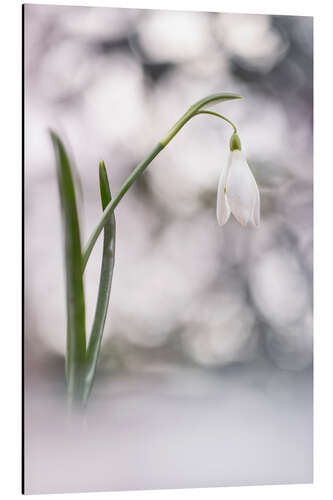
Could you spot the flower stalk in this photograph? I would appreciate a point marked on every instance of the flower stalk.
(81, 360)
(196, 109)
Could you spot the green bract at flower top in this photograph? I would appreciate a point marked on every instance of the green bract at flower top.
(237, 193)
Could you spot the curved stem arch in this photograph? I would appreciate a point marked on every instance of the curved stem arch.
(194, 110)
(213, 113)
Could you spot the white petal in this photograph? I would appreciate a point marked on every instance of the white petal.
(256, 210)
(222, 206)
(242, 191)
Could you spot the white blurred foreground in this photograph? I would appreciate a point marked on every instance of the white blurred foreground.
(174, 429)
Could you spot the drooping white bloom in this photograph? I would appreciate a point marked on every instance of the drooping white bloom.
(238, 192)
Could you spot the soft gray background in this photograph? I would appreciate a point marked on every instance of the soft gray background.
(206, 370)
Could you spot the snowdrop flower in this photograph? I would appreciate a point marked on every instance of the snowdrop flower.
(237, 190)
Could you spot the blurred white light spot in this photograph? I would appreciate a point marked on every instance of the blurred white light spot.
(252, 38)
(191, 167)
(219, 330)
(263, 136)
(156, 284)
(116, 99)
(98, 23)
(175, 36)
(66, 69)
(279, 287)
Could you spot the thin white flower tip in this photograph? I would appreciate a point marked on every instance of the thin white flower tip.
(256, 210)
(222, 206)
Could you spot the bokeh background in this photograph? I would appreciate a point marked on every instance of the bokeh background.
(205, 377)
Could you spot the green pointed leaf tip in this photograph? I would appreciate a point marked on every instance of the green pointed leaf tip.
(104, 185)
(76, 337)
(210, 100)
(213, 99)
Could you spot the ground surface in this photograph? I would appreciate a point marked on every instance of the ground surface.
(173, 428)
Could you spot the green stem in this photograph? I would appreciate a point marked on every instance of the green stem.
(195, 109)
(112, 205)
(192, 111)
(205, 112)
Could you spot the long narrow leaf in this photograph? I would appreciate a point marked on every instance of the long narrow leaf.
(76, 336)
(104, 284)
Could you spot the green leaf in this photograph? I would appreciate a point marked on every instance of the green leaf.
(104, 284)
(76, 336)
(213, 99)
